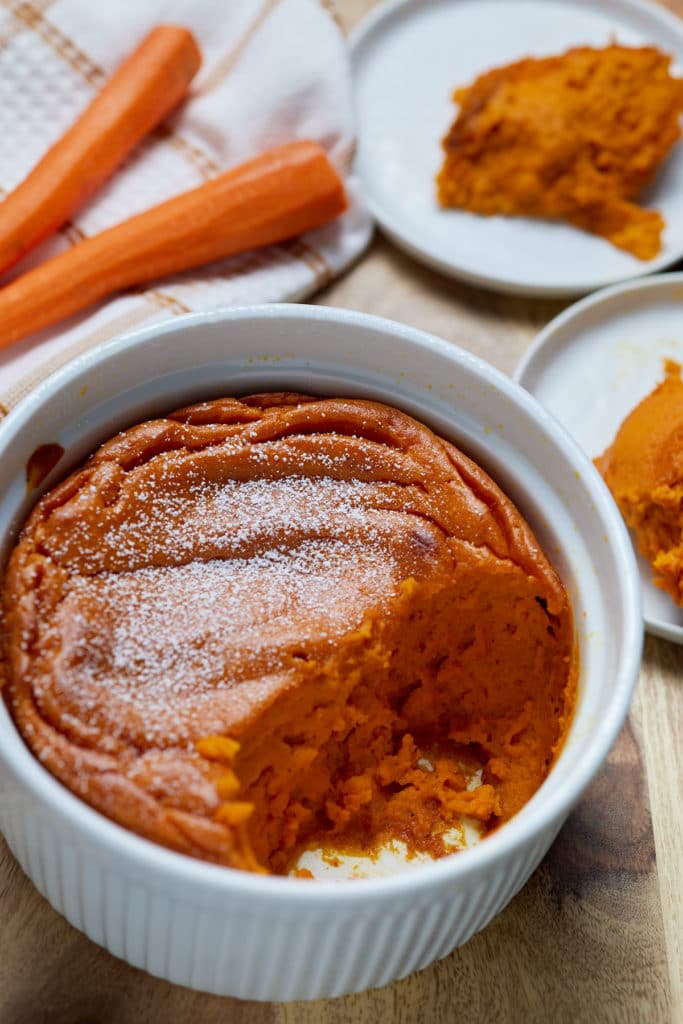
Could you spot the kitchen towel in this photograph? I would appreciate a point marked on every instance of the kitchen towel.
(272, 71)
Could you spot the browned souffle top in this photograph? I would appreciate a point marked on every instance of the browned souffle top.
(263, 624)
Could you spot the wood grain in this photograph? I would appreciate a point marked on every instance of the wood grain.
(597, 934)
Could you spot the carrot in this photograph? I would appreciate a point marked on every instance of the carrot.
(144, 89)
(282, 193)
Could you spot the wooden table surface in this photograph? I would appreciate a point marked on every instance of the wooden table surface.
(595, 936)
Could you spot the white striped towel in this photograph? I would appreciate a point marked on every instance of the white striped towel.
(273, 70)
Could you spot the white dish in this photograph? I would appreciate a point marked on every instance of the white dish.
(410, 55)
(232, 932)
(592, 364)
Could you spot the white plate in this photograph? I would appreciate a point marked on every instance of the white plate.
(410, 55)
(595, 362)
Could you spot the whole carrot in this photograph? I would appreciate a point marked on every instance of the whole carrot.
(144, 89)
(282, 193)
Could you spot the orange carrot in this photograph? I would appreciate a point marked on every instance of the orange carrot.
(282, 193)
(145, 88)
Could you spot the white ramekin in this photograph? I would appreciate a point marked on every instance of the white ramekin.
(230, 932)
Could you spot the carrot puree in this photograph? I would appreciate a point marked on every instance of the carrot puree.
(575, 137)
(265, 625)
(643, 468)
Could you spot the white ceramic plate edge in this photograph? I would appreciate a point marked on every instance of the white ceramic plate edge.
(550, 340)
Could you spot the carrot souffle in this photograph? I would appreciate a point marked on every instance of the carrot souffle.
(643, 468)
(575, 137)
(261, 626)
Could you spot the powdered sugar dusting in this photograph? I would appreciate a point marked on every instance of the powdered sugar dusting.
(188, 646)
(173, 518)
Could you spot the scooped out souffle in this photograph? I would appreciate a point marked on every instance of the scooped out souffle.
(643, 468)
(264, 625)
(574, 137)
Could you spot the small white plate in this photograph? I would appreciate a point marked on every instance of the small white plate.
(410, 55)
(592, 364)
